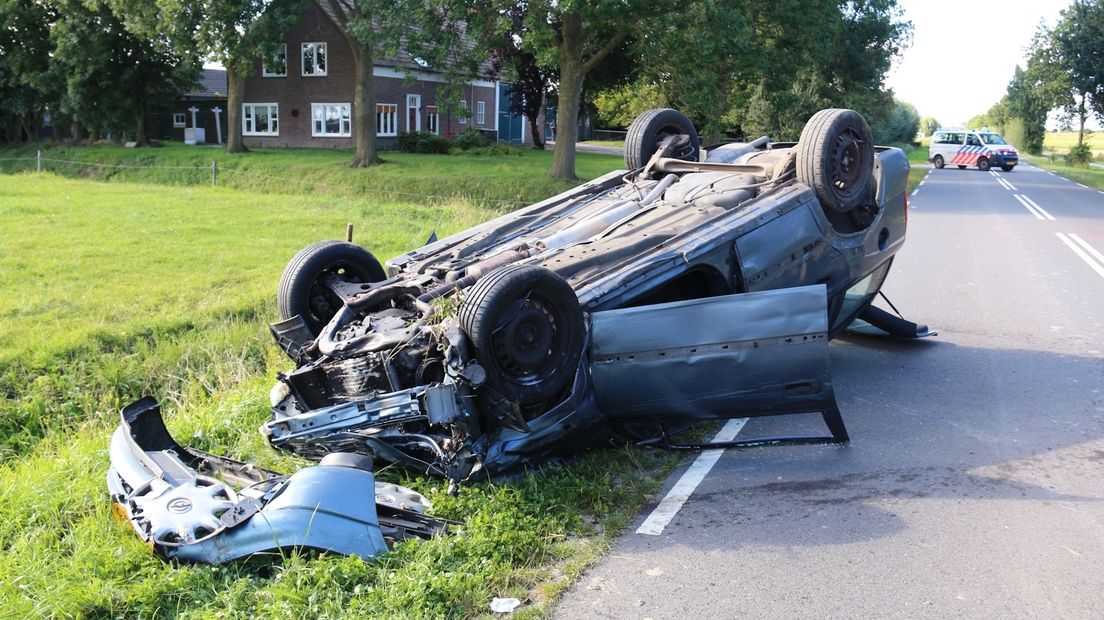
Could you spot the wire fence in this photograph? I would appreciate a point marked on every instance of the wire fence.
(216, 176)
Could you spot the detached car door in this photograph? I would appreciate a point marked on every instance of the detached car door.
(732, 356)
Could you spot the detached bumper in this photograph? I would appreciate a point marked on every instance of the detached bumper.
(197, 507)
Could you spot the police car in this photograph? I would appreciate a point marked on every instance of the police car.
(970, 147)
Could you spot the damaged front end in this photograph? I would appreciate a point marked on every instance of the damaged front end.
(197, 507)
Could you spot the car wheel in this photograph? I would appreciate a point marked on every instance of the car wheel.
(938, 161)
(961, 167)
(835, 156)
(303, 290)
(983, 164)
(650, 128)
(1007, 168)
(527, 330)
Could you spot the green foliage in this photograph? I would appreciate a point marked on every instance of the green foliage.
(471, 139)
(422, 142)
(928, 125)
(618, 106)
(1014, 133)
(1079, 155)
(901, 127)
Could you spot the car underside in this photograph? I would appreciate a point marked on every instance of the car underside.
(698, 284)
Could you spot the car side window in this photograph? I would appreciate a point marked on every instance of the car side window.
(938, 138)
(972, 140)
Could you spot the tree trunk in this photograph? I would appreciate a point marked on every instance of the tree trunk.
(26, 122)
(364, 119)
(572, 75)
(235, 91)
(1081, 114)
(537, 131)
(140, 126)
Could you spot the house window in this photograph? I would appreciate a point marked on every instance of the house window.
(314, 59)
(433, 119)
(387, 119)
(462, 113)
(276, 66)
(260, 119)
(480, 112)
(331, 120)
(178, 119)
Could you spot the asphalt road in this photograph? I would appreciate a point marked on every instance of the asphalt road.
(973, 486)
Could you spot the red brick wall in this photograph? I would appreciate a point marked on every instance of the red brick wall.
(295, 93)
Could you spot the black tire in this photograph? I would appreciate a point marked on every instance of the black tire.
(938, 161)
(835, 156)
(301, 290)
(1007, 167)
(646, 132)
(961, 167)
(983, 164)
(527, 330)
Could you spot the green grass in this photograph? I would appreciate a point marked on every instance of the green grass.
(510, 180)
(917, 172)
(109, 291)
(1092, 177)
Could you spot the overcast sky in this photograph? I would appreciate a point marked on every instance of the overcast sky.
(964, 52)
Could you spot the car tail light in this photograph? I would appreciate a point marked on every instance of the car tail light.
(906, 206)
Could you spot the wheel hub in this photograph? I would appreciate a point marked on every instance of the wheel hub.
(847, 160)
(523, 343)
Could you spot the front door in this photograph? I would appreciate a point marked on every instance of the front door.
(733, 356)
(413, 113)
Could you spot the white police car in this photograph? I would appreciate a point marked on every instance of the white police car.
(962, 147)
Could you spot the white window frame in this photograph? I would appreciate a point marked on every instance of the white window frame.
(433, 119)
(480, 112)
(463, 114)
(313, 47)
(344, 122)
(180, 119)
(248, 117)
(393, 125)
(264, 67)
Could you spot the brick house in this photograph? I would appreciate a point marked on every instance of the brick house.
(303, 97)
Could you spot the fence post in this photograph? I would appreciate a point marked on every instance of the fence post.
(214, 171)
(38, 160)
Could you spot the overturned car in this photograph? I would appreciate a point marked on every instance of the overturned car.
(698, 284)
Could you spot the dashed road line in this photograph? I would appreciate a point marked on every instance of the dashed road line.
(1082, 185)
(1029, 204)
(1085, 251)
(670, 505)
(1005, 184)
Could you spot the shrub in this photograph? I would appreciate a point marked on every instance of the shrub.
(422, 142)
(1079, 155)
(471, 139)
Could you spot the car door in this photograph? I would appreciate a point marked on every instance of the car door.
(731, 356)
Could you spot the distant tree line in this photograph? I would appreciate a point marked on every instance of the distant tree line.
(740, 67)
(1064, 73)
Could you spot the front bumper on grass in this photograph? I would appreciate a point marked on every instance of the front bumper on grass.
(198, 507)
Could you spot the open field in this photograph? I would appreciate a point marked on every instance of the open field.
(1060, 142)
(109, 291)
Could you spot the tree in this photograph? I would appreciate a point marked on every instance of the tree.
(1072, 55)
(234, 33)
(619, 106)
(928, 125)
(112, 73)
(902, 125)
(431, 31)
(25, 48)
(531, 81)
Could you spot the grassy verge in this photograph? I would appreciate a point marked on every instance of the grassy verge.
(1060, 142)
(1093, 177)
(111, 291)
(618, 144)
(506, 180)
(918, 160)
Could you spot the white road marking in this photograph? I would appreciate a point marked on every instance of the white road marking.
(670, 505)
(915, 190)
(993, 173)
(1030, 209)
(1005, 184)
(1098, 268)
(1088, 248)
(1009, 184)
(1082, 185)
(1038, 208)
